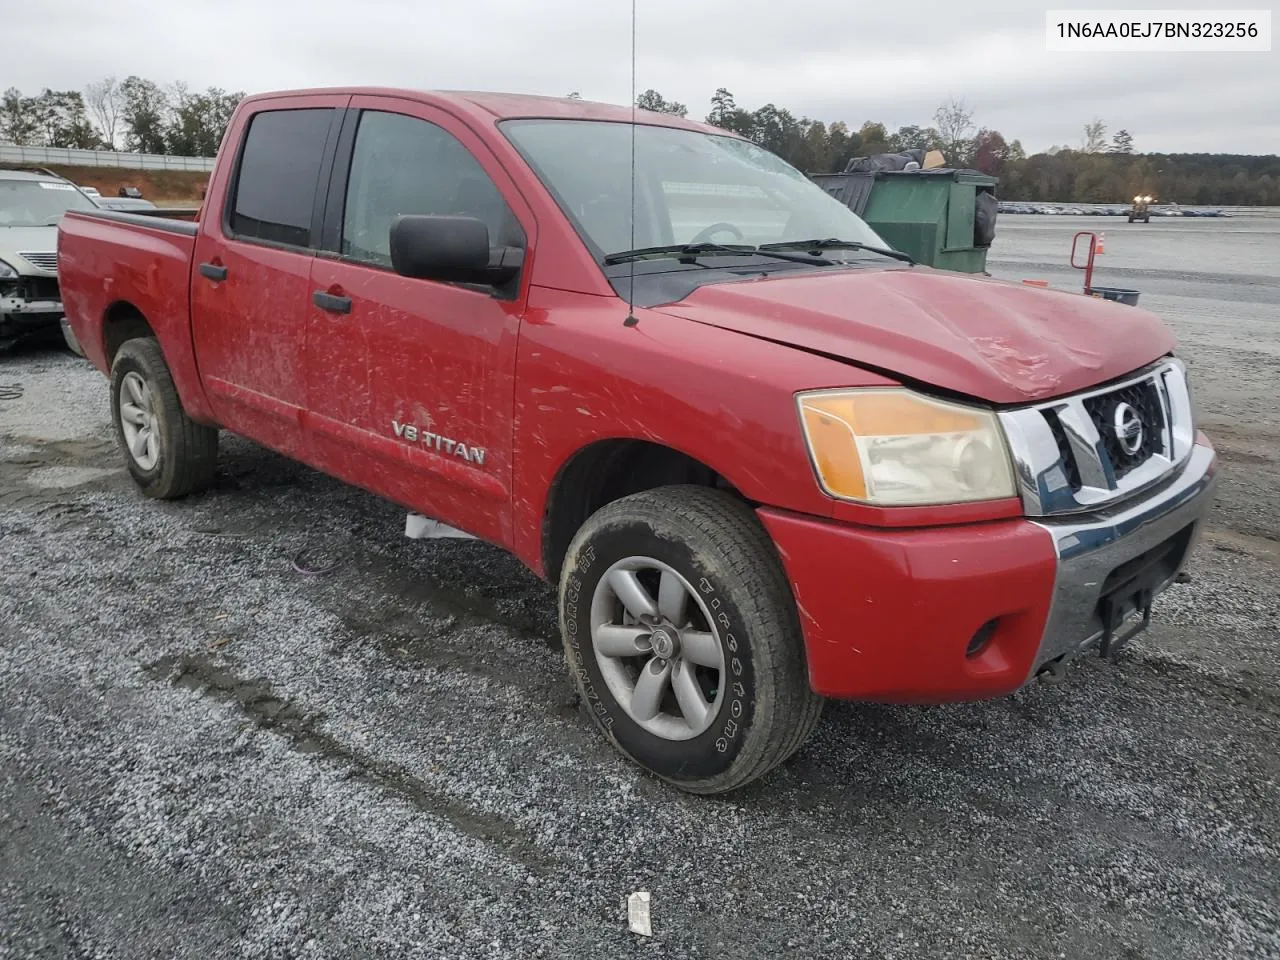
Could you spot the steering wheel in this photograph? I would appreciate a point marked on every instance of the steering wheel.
(704, 235)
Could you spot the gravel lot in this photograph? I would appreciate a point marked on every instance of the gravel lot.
(204, 753)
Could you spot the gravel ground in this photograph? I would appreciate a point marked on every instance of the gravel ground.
(204, 753)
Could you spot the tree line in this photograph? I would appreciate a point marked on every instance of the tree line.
(131, 114)
(1100, 169)
(140, 115)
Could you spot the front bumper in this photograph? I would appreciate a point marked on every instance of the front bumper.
(967, 612)
(35, 295)
(19, 306)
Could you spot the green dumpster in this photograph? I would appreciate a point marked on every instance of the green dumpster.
(943, 218)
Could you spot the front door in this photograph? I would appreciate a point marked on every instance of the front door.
(436, 360)
(251, 288)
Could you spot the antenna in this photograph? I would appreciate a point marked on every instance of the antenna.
(632, 319)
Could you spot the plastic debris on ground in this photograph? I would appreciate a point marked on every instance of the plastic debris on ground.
(418, 527)
(638, 920)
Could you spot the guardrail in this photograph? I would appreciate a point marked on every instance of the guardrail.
(44, 156)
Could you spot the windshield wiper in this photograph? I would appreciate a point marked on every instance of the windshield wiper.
(690, 252)
(831, 243)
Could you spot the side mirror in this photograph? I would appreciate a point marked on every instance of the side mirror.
(452, 250)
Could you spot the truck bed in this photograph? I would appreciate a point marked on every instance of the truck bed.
(113, 266)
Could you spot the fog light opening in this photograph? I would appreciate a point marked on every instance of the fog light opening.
(980, 639)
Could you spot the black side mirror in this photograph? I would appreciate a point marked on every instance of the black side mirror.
(451, 249)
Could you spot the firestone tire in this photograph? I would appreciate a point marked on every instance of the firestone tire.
(761, 706)
(172, 455)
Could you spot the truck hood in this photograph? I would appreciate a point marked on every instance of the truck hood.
(1001, 342)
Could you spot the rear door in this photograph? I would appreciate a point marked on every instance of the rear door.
(437, 360)
(251, 287)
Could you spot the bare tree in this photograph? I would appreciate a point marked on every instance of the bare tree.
(105, 100)
(954, 120)
(1095, 137)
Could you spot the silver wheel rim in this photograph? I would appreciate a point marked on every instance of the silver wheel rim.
(657, 648)
(138, 421)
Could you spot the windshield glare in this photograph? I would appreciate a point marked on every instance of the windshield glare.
(38, 203)
(689, 187)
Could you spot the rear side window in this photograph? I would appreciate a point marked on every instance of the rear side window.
(279, 168)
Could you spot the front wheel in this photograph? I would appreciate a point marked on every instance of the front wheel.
(682, 635)
(168, 454)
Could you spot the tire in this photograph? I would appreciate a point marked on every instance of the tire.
(181, 455)
(739, 607)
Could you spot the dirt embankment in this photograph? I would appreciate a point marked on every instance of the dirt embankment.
(158, 186)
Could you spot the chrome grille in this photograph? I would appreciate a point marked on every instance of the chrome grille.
(1086, 451)
(45, 261)
(1148, 411)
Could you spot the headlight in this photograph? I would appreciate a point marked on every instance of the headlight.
(1137, 199)
(893, 447)
(7, 272)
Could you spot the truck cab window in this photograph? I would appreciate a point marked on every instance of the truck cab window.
(279, 168)
(404, 165)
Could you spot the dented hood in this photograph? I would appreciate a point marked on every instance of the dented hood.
(1001, 342)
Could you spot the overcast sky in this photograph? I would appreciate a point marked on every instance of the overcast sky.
(837, 60)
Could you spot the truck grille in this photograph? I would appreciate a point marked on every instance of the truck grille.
(1148, 408)
(1085, 451)
(44, 261)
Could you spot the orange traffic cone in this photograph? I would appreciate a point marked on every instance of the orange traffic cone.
(1100, 245)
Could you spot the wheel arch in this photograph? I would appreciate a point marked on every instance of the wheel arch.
(122, 321)
(607, 470)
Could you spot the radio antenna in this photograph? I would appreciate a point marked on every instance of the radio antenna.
(632, 319)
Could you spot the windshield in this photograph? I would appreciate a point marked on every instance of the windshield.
(38, 203)
(690, 187)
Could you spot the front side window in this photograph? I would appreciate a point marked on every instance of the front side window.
(689, 186)
(279, 168)
(402, 165)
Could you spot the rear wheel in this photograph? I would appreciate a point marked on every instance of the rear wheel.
(682, 635)
(168, 454)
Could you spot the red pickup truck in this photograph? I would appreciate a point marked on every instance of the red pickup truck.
(766, 459)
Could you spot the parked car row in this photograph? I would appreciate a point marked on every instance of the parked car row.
(1102, 210)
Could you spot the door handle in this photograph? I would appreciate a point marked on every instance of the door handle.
(330, 302)
(213, 271)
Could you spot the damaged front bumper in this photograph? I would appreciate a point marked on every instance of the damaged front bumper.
(965, 612)
(20, 306)
(28, 304)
